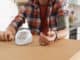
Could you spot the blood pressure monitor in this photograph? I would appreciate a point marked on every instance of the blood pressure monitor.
(23, 35)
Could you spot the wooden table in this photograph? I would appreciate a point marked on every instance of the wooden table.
(61, 50)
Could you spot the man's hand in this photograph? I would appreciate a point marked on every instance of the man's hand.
(8, 35)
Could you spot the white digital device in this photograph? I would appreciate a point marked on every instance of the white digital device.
(23, 35)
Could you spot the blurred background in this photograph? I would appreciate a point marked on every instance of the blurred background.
(73, 11)
(72, 15)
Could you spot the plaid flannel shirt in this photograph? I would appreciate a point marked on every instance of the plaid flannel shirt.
(54, 11)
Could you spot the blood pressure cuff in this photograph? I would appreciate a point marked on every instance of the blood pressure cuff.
(17, 23)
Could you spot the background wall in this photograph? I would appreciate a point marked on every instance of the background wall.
(20, 1)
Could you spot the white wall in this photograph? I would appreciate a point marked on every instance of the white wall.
(8, 10)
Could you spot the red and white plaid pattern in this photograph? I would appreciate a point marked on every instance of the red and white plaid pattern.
(34, 18)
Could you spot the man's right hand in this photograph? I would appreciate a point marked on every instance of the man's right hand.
(8, 35)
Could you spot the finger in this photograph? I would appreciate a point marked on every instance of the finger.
(11, 37)
(6, 36)
(1, 36)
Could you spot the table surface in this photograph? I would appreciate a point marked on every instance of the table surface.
(76, 56)
(60, 50)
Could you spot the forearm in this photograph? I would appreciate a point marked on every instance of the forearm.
(16, 23)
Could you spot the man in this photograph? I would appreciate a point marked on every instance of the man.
(38, 13)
